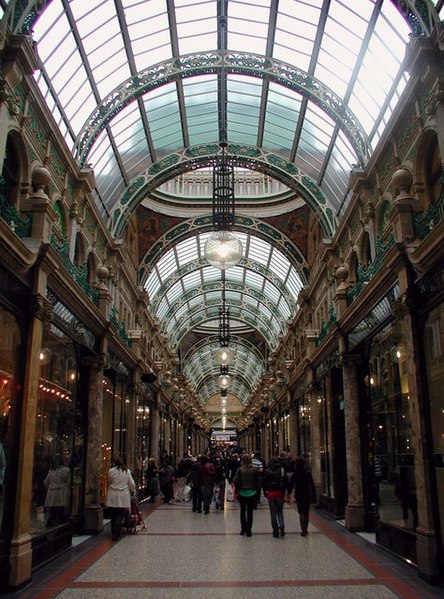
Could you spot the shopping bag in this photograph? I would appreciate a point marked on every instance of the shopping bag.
(229, 493)
(187, 493)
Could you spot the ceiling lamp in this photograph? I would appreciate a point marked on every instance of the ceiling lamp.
(224, 356)
(223, 249)
(224, 381)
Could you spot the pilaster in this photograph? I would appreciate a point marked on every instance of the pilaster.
(355, 509)
(155, 427)
(93, 511)
(21, 549)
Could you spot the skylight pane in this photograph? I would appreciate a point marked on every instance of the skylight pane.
(191, 280)
(243, 92)
(164, 117)
(254, 280)
(152, 285)
(186, 251)
(211, 274)
(174, 292)
(271, 292)
(201, 109)
(279, 264)
(196, 26)
(167, 265)
(294, 283)
(295, 32)
(259, 251)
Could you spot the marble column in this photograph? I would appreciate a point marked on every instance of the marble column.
(315, 434)
(155, 427)
(265, 440)
(21, 550)
(355, 509)
(180, 440)
(93, 513)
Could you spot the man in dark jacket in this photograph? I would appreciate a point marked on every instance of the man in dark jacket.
(207, 482)
(194, 479)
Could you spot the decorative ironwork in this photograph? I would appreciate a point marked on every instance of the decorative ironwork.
(326, 326)
(9, 213)
(78, 273)
(119, 326)
(221, 62)
(249, 225)
(250, 157)
(366, 274)
(424, 224)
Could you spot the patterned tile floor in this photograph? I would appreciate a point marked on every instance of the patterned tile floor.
(186, 555)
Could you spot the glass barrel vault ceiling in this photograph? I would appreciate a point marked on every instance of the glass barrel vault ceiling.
(89, 51)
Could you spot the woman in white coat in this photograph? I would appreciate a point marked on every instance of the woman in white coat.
(118, 498)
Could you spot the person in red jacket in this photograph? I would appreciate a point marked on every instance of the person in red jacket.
(275, 485)
(207, 482)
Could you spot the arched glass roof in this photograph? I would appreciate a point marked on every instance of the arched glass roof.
(186, 294)
(89, 49)
(138, 85)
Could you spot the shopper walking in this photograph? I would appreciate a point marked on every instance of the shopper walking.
(303, 486)
(152, 480)
(246, 482)
(275, 485)
(118, 498)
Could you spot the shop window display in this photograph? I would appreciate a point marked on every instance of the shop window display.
(10, 344)
(434, 357)
(390, 451)
(114, 426)
(54, 489)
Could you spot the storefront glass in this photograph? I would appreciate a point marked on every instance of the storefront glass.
(10, 344)
(434, 359)
(143, 442)
(390, 451)
(115, 423)
(54, 489)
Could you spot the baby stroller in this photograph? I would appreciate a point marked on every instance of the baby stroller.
(133, 521)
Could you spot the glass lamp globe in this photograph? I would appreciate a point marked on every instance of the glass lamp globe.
(224, 381)
(224, 356)
(223, 250)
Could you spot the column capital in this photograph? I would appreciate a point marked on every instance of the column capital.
(41, 308)
(99, 362)
(349, 360)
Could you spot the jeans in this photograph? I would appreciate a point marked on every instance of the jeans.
(207, 496)
(247, 505)
(277, 513)
(196, 495)
(116, 516)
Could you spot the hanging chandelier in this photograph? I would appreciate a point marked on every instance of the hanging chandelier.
(223, 249)
(224, 355)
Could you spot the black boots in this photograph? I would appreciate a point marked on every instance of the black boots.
(303, 519)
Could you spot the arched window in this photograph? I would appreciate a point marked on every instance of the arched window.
(353, 268)
(79, 253)
(366, 249)
(383, 216)
(9, 184)
(433, 171)
(61, 222)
